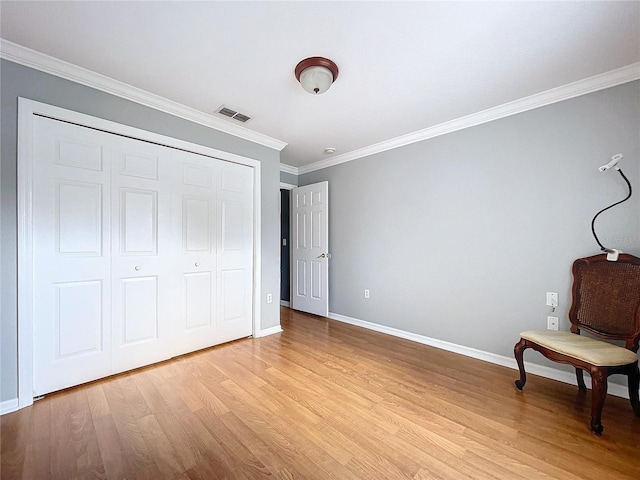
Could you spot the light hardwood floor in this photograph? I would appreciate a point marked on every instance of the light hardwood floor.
(320, 400)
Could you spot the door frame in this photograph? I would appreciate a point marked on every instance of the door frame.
(287, 186)
(27, 109)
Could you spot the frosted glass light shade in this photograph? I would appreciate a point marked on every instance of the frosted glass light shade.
(316, 74)
(316, 80)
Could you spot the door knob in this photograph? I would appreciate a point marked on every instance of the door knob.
(197, 264)
(322, 256)
(137, 267)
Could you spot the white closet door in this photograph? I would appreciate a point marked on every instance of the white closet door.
(71, 256)
(235, 251)
(195, 233)
(142, 253)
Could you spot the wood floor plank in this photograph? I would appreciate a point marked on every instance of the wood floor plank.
(88, 459)
(212, 457)
(160, 447)
(238, 453)
(63, 458)
(206, 395)
(97, 400)
(129, 433)
(425, 474)
(275, 457)
(138, 405)
(114, 456)
(15, 433)
(321, 400)
(37, 461)
(213, 468)
(155, 401)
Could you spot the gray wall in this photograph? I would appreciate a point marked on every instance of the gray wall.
(289, 178)
(17, 80)
(459, 237)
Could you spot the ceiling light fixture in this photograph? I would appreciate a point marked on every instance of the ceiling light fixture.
(316, 74)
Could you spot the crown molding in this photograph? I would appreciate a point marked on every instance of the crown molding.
(288, 169)
(609, 79)
(45, 63)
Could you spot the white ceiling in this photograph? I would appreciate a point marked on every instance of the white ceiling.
(404, 66)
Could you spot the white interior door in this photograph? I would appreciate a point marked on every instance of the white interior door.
(235, 251)
(142, 260)
(71, 256)
(194, 230)
(310, 248)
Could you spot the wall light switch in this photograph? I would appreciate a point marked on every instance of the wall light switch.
(552, 299)
(269, 298)
(366, 293)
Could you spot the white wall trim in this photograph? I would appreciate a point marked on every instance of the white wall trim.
(581, 87)
(269, 331)
(8, 406)
(284, 303)
(541, 370)
(287, 186)
(45, 63)
(26, 111)
(288, 169)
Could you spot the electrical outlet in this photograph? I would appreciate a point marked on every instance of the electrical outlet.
(269, 298)
(552, 323)
(552, 299)
(366, 293)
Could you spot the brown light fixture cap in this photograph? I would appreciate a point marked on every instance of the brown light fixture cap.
(316, 62)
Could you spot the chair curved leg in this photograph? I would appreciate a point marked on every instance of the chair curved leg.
(518, 352)
(598, 395)
(580, 377)
(634, 385)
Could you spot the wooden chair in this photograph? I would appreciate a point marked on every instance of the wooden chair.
(606, 304)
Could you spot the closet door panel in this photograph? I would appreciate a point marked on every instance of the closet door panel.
(142, 259)
(235, 252)
(197, 299)
(195, 230)
(139, 309)
(138, 221)
(71, 256)
(78, 215)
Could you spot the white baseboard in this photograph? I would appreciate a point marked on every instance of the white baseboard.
(8, 406)
(270, 331)
(541, 370)
(284, 303)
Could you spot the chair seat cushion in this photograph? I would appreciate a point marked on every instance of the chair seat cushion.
(595, 352)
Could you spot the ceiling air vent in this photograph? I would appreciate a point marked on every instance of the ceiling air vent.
(229, 112)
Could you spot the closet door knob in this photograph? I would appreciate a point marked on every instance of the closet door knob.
(137, 268)
(197, 264)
